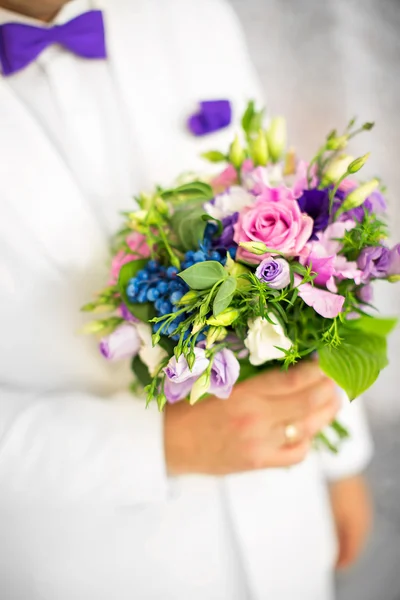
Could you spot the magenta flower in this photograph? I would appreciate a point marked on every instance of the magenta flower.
(180, 379)
(325, 303)
(275, 220)
(275, 272)
(224, 373)
(124, 342)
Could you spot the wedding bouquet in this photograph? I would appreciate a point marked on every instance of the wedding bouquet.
(267, 263)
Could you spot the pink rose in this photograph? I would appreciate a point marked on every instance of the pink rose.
(275, 220)
(138, 245)
(118, 261)
(139, 248)
(225, 179)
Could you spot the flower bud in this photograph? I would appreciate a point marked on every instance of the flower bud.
(215, 334)
(94, 327)
(225, 318)
(276, 138)
(359, 195)
(259, 149)
(337, 169)
(236, 153)
(162, 207)
(189, 298)
(337, 143)
(236, 270)
(191, 358)
(257, 248)
(200, 387)
(393, 278)
(198, 324)
(358, 163)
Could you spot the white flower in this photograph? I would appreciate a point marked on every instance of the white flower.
(150, 355)
(231, 201)
(262, 338)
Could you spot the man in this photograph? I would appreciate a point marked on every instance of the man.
(100, 498)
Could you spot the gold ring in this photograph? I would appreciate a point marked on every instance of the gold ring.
(291, 433)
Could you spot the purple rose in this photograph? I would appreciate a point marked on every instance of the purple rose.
(224, 373)
(315, 203)
(212, 116)
(275, 272)
(180, 379)
(124, 342)
(374, 262)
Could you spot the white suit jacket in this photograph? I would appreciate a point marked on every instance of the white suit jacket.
(87, 509)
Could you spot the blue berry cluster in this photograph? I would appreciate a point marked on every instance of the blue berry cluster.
(162, 287)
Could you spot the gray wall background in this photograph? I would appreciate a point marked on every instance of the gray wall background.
(321, 62)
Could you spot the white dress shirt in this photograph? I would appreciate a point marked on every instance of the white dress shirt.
(86, 508)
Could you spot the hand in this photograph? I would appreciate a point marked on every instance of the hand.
(247, 431)
(352, 510)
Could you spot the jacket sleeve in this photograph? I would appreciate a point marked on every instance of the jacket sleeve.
(355, 452)
(79, 448)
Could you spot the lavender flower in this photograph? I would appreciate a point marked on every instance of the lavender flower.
(366, 293)
(180, 379)
(275, 272)
(394, 263)
(224, 373)
(374, 262)
(124, 342)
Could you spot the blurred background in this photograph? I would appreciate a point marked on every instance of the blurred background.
(321, 62)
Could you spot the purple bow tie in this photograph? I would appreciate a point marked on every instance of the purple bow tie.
(21, 44)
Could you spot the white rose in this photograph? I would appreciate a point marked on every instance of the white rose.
(150, 355)
(262, 338)
(231, 201)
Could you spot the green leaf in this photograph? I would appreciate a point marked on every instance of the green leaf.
(373, 325)
(144, 312)
(204, 275)
(224, 295)
(195, 190)
(189, 226)
(141, 371)
(356, 363)
(214, 156)
(248, 115)
(209, 218)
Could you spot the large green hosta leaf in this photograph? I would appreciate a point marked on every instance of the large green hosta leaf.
(356, 363)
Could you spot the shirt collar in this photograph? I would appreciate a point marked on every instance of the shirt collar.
(69, 11)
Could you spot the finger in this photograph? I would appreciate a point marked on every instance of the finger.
(295, 379)
(288, 456)
(293, 408)
(322, 417)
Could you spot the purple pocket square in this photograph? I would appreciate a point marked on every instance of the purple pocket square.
(213, 115)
